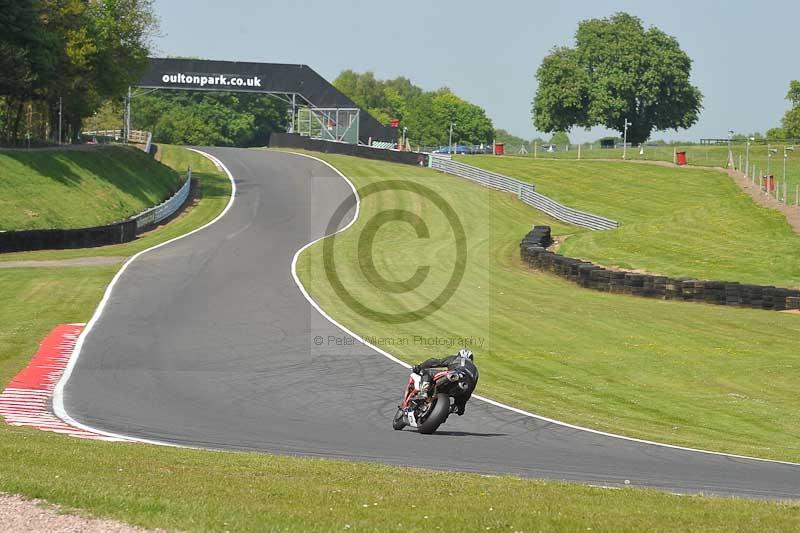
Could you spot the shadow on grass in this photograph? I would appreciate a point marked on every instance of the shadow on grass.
(134, 173)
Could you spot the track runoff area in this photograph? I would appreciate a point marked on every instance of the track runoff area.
(210, 341)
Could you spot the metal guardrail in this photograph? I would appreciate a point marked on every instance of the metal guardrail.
(526, 192)
(135, 136)
(149, 218)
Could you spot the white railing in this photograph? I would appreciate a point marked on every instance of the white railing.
(149, 218)
(135, 136)
(525, 192)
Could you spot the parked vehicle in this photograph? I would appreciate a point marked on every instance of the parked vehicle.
(458, 149)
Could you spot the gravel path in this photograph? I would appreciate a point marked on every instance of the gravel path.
(78, 261)
(791, 212)
(19, 514)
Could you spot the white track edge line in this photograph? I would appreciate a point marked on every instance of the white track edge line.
(483, 398)
(58, 394)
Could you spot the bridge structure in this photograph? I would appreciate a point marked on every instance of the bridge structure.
(316, 108)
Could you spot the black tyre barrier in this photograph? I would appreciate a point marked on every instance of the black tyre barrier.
(293, 140)
(534, 252)
(61, 239)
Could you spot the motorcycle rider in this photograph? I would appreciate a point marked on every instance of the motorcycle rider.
(463, 360)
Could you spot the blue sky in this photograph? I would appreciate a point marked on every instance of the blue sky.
(744, 54)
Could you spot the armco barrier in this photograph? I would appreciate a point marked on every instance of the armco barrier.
(150, 218)
(117, 233)
(293, 140)
(533, 250)
(525, 191)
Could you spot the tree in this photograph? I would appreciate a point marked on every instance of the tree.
(427, 115)
(103, 49)
(617, 70)
(560, 138)
(209, 118)
(27, 60)
(366, 92)
(776, 134)
(430, 116)
(78, 52)
(791, 120)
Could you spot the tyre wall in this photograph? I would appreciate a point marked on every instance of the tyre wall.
(533, 250)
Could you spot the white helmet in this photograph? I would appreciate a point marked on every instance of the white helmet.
(466, 353)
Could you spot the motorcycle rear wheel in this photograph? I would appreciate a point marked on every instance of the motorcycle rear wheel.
(439, 413)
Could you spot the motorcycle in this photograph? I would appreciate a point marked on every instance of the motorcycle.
(428, 411)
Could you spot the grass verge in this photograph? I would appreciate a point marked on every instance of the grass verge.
(208, 491)
(213, 195)
(215, 491)
(694, 375)
(677, 222)
(79, 188)
(708, 155)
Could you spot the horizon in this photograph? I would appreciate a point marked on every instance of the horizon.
(414, 42)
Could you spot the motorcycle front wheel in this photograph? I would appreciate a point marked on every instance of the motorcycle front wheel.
(398, 422)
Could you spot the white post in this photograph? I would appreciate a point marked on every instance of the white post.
(625, 140)
(785, 155)
(579, 152)
(128, 119)
(747, 159)
(59, 120)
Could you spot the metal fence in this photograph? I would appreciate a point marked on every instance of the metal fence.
(774, 166)
(144, 138)
(151, 217)
(525, 192)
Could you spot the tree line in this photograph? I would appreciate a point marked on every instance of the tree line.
(427, 115)
(69, 56)
(209, 118)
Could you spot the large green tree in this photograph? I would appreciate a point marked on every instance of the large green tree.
(103, 48)
(430, 115)
(791, 120)
(27, 60)
(209, 118)
(427, 115)
(77, 52)
(617, 70)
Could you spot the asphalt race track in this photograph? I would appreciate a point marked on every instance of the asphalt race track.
(208, 342)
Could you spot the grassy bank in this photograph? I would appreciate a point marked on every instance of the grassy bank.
(213, 194)
(213, 491)
(79, 188)
(697, 155)
(678, 222)
(695, 375)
